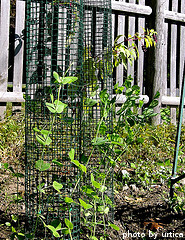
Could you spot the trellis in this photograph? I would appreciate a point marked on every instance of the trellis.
(72, 38)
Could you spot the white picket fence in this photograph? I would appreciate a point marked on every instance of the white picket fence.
(17, 94)
(127, 18)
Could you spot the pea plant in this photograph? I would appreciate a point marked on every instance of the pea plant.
(93, 181)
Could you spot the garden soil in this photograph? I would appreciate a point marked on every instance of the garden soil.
(139, 213)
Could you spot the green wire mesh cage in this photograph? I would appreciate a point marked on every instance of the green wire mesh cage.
(72, 38)
(97, 76)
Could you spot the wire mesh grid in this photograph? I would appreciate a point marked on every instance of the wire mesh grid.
(73, 36)
(97, 68)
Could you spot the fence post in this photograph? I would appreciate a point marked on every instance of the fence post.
(4, 46)
(159, 63)
(18, 52)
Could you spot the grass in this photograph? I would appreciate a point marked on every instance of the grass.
(148, 161)
(12, 137)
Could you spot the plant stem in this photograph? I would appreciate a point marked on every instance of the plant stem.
(69, 228)
(94, 231)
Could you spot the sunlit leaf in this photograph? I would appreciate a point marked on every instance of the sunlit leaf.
(68, 223)
(57, 186)
(68, 200)
(68, 80)
(71, 154)
(114, 226)
(42, 166)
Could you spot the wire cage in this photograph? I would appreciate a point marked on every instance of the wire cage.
(97, 75)
(73, 38)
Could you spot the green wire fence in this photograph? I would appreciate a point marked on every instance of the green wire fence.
(71, 37)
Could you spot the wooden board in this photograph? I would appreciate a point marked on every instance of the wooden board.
(4, 46)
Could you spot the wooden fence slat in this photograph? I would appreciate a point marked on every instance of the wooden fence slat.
(19, 46)
(158, 64)
(164, 51)
(173, 66)
(4, 46)
(140, 62)
(182, 53)
(121, 31)
(18, 53)
(131, 31)
(182, 46)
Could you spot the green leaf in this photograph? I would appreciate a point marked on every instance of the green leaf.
(157, 95)
(42, 166)
(40, 187)
(114, 226)
(96, 184)
(13, 229)
(87, 190)
(18, 175)
(76, 162)
(11, 169)
(128, 92)
(57, 77)
(71, 154)
(118, 89)
(103, 128)
(65, 231)
(85, 205)
(141, 102)
(68, 80)
(14, 218)
(87, 214)
(79, 165)
(92, 177)
(103, 209)
(140, 140)
(68, 200)
(57, 224)
(6, 165)
(133, 165)
(153, 104)
(56, 107)
(104, 96)
(51, 107)
(36, 129)
(106, 210)
(99, 141)
(90, 102)
(57, 186)
(83, 168)
(94, 238)
(43, 140)
(52, 98)
(55, 233)
(45, 132)
(102, 188)
(57, 163)
(59, 106)
(68, 223)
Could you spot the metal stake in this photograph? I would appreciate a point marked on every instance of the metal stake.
(174, 178)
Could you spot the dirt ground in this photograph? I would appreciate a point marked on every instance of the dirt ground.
(147, 215)
(140, 214)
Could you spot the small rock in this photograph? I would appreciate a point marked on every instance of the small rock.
(133, 187)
